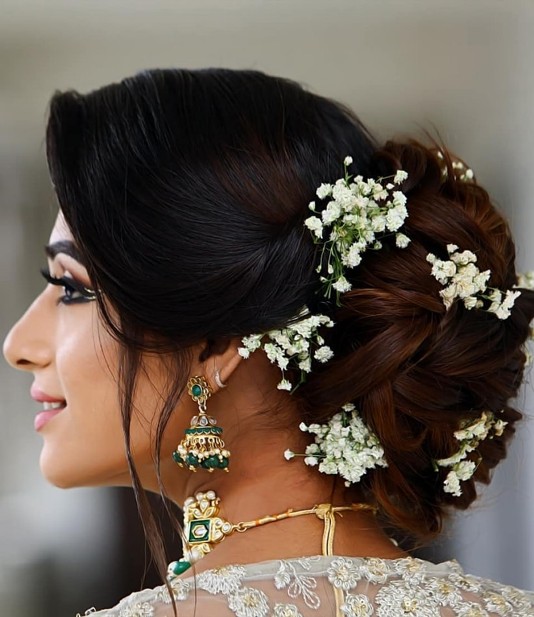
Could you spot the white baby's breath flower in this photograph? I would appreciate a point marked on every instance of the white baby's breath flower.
(342, 285)
(465, 470)
(499, 427)
(323, 354)
(463, 258)
(289, 454)
(442, 271)
(399, 201)
(468, 175)
(401, 240)
(331, 214)
(451, 484)
(448, 295)
(347, 161)
(294, 344)
(285, 385)
(395, 218)
(305, 365)
(380, 193)
(324, 191)
(378, 223)
(469, 436)
(344, 446)
(344, 198)
(471, 302)
(315, 225)
(463, 280)
(510, 298)
(353, 257)
(500, 306)
(400, 176)
(243, 352)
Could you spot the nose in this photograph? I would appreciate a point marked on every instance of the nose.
(28, 345)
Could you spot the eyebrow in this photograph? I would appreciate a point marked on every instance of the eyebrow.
(63, 246)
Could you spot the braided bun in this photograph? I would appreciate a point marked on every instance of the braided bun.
(414, 370)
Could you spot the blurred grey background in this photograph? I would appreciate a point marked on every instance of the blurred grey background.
(461, 67)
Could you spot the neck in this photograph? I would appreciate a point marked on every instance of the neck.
(271, 487)
(261, 482)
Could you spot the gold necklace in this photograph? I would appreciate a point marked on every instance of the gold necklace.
(204, 528)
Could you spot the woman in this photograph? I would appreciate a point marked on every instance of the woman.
(306, 340)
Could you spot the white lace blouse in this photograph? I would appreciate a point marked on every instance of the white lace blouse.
(330, 587)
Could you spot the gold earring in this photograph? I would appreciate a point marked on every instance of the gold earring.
(202, 447)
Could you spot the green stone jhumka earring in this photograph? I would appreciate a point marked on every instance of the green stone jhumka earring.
(202, 447)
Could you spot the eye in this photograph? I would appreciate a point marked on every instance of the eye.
(74, 292)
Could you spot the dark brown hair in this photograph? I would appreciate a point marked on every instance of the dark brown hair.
(186, 192)
(415, 370)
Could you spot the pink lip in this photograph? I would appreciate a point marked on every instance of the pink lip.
(42, 397)
(46, 415)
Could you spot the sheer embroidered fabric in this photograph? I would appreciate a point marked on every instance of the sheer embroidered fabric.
(331, 587)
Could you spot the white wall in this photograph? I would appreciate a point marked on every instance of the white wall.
(461, 66)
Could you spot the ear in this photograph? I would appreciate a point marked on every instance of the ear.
(222, 359)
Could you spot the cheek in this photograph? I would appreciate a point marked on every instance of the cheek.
(87, 368)
(84, 444)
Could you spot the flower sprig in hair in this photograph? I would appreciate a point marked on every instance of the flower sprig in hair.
(357, 213)
(298, 343)
(464, 281)
(344, 446)
(469, 435)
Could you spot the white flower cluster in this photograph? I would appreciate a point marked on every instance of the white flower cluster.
(299, 342)
(345, 446)
(463, 280)
(461, 171)
(469, 436)
(358, 210)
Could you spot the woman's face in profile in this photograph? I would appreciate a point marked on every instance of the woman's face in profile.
(62, 342)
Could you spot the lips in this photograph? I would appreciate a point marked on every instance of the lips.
(52, 406)
(44, 417)
(42, 397)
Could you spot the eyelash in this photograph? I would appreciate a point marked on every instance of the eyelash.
(70, 286)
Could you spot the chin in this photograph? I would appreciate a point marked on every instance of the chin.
(64, 473)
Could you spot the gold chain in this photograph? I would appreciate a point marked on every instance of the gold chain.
(204, 528)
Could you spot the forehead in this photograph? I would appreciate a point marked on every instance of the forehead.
(60, 231)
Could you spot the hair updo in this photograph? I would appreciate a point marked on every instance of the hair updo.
(187, 191)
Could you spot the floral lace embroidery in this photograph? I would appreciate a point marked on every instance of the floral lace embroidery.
(401, 598)
(223, 580)
(138, 610)
(498, 604)
(374, 570)
(369, 587)
(180, 591)
(297, 584)
(249, 602)
(472, 610)
(444, 592)
(357, 606)
(344, 574)
(285, 610)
